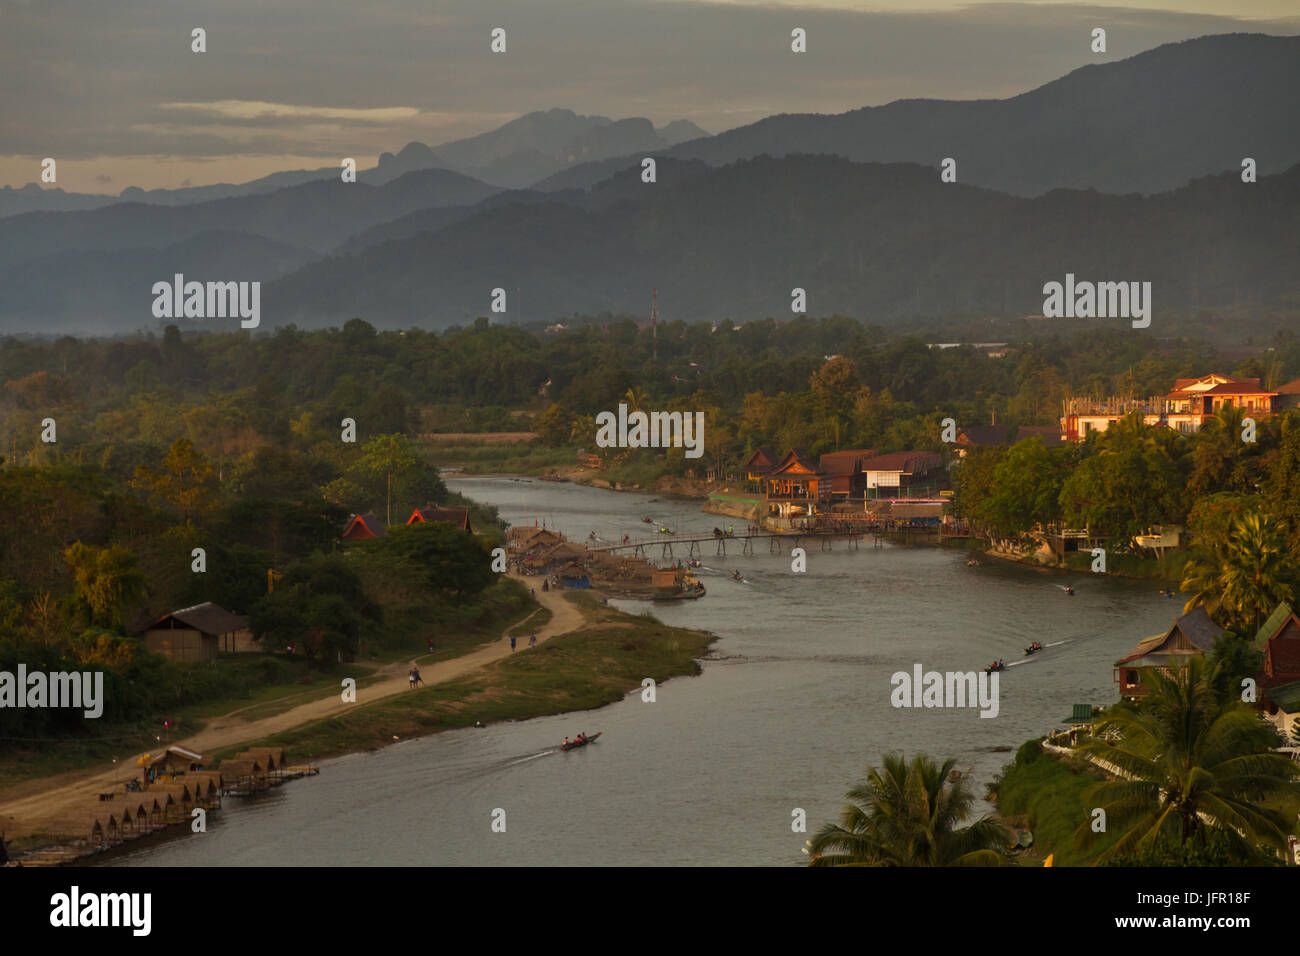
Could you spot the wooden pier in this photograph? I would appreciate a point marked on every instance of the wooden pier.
(746, 542)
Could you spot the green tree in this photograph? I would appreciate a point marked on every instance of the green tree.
(186, 482)
(108, 581)
(1129, 485)
(318, 604)
(1281, 485)
(907, 814)
(1026, 489)
(1191, 762)
(554, 425)
(447, 560)
(1240, 580)
(386, 456)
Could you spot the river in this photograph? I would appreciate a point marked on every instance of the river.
(792, 706)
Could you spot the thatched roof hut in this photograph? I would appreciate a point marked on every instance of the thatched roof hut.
(206, 785)
(272, 758)
(242, 774)
(179, 799)
(98, 829)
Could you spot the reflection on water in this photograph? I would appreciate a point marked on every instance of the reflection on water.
(793, 704)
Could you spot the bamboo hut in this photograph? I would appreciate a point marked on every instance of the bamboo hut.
(131, 820)
(243, 775)
(169, 763)
(180, 800)
(92, 830)
(271, 759)
(206, 785)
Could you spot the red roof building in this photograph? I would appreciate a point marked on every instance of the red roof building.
(1279, 681)
(364, 528)
(457, 517)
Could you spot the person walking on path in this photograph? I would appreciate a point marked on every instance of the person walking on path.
(415, 672)
(512, 643)
(411, 677)
(532, 641)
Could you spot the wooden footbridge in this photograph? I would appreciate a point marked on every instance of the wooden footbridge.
(776, 540)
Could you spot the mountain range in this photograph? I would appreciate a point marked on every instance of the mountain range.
(1145, 124)
(850, 207)
(519, 153)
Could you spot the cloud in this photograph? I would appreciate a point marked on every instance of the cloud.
(256, 109)
(313, 78)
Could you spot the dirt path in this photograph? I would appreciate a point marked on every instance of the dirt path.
(35, 805)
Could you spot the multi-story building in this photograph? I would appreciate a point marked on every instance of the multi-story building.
(1186, 408)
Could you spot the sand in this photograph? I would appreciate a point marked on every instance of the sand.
(36, 805)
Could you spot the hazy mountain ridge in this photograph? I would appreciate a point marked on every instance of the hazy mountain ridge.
(871, 240)
(515, 154)
(315, 216)
(1148, 123)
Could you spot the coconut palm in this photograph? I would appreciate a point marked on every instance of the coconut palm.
(1241, 579)
(1189, 763)
(906, 814)
(636, 399)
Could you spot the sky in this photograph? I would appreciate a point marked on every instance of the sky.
(113, 92)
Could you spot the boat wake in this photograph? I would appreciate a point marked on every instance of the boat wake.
(532, 757)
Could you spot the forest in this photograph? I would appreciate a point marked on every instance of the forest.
(233, 443)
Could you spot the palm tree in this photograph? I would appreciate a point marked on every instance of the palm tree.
(636, 399)
(1243, 578)
(1190, 763)
(906, 814)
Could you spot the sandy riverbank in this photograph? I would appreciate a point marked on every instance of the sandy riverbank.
(35, 806)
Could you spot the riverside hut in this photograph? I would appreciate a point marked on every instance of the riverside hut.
(1192, 634)
(96, 830)
(169, 763)
(206, 788)
(573, 575)
(271, 758)
(242, 776)
(180, 799)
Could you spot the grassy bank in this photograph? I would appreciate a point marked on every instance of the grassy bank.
(1040, 792)
(259, 685)
(518, 458)
(588, 668)
(1166, 568)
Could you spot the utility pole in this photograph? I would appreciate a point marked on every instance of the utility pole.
(654, 328)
